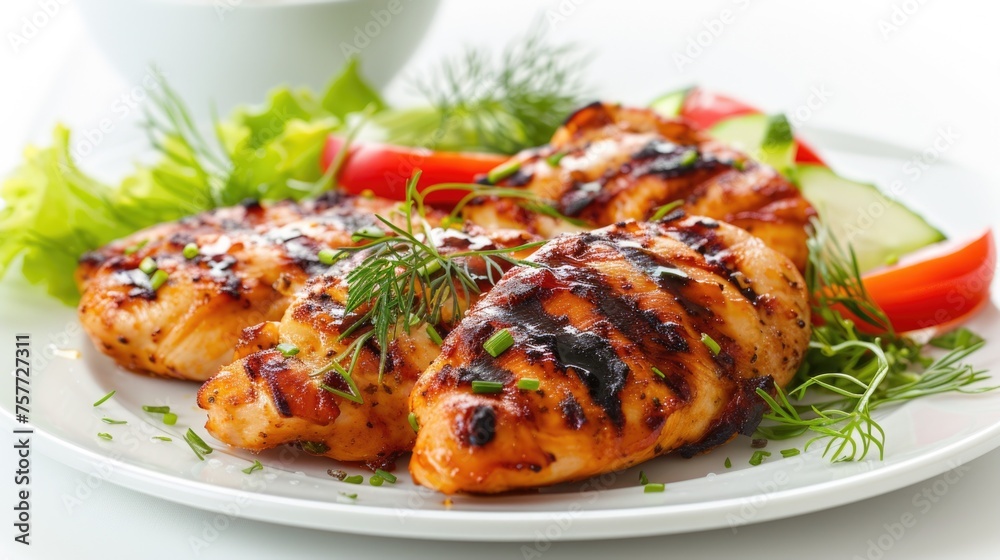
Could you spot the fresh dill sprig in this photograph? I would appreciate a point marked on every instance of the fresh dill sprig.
(405, 281)
(862, 371)
(508, 103)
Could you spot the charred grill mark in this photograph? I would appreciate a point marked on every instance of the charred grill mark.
(269, 366)
(579, 196)
(592, 358)
(481, 426)
(483, 368)
(741, 415)
(572, 412)
(659, 341)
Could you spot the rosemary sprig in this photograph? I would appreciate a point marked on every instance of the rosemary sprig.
(405, 281)
(862, 372)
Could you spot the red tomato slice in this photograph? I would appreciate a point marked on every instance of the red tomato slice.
(385, 169)
(703, 109)
(940, 285)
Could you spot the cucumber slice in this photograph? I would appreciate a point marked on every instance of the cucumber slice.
(768, 139)
(669, 105)
(878, 228)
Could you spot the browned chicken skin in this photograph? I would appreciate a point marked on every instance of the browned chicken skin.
(617, 163)
(252, 260)
(590, 325)
(266, 399)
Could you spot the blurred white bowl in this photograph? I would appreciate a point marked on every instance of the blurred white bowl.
(228, 52)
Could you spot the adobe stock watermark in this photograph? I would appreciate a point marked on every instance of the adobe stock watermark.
(711, 30)
(365, 34)
(921, 504)
(564, 10)
(945, 138)
(127, 104)
(899, 16)
(819, 96)
(29, 26)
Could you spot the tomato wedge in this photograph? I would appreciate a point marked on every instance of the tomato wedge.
(940, 285)
(703, 109)
(385, 169)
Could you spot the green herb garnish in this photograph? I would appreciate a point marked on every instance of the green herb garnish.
(158, 279)
(170, 418)
(711, 344)
(665, 209)
(287, 350)
(387, 476)
(197, 444)
(256, 466)
(654, 487)
(190, 251)
(528, 384)
(433, 335)
(643, 480)
(498, 343)
(486, 387)
(103, 399)
(162, 438)
(104, 436)
(849, 374)
(148, 265)
(111, 421)
(412, 419)
(156, 409)
(758, 457)
(354, 479)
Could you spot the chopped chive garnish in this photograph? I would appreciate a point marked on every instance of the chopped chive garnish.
(162, 438)
(738, 164)
(499, 342)
(728, 463)
(315, 447)
(665, 209)
(643, 480)
(502, 171)
(555, 158)
(190, 251)
(412, 419)
(528, 384)
(758, 457)
(666, 271)
(133, 249)
(111, 421)
(367, 233)
(256, 466)
(158, 279)
(349, 496)
(326, 256)
(386, 476)
(197, 444)
(376, 480)
(487, 386)
(104, 435)
(101, 400)
(658, 373)
(354, 479)
(689, 158)
(148, 265)
(654, 487)
(156, 409)
(789, 452)
(170, 418)
(433, 335)
(711, 343)
(287, 350)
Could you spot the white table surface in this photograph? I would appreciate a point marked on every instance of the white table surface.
(940, 69)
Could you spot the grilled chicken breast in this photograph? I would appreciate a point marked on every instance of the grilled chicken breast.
(716, 312)
(251, 260)
(609, 163)
(266, 398)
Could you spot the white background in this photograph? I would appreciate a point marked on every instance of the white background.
(941, 68)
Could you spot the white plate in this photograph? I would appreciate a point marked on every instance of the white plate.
(924, 438)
